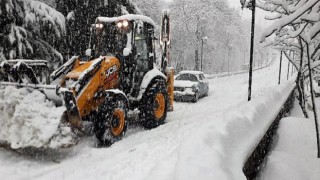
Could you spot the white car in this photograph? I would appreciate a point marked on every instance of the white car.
(190, 86)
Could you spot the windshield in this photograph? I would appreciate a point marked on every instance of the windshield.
(187, 77)
(108, 40)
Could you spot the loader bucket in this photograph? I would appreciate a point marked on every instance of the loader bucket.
(30, 120)
(72, 112)
(36, 122)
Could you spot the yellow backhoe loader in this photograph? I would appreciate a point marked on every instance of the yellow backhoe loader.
(118, 73)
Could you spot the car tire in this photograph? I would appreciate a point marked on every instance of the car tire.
(196, 97)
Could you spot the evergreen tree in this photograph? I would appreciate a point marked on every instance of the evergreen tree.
(81, 14)
(30, 30)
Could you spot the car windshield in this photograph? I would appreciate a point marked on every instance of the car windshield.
(187, 77)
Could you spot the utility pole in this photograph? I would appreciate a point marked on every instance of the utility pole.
(253, 8)
(201, 53)
(228, 60)
(280, 68)
(203, 39)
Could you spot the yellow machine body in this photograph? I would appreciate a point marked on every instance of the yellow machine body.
(103, 77)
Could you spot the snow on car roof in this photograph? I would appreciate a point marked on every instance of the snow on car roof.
(190, 72)
(128, 17)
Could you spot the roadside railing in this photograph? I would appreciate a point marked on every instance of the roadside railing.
(255, 161)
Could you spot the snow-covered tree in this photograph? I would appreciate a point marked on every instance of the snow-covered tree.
(151, 8)
(193, 20)
(51, 3)
(30, 29)
(296, 26)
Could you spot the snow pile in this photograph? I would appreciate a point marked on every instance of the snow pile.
(224, 152)
(295, 154)
(28, 119)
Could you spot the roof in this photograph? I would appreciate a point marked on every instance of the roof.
(128, 17)
(190, 72)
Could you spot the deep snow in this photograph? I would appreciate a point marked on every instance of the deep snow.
(204, 140)
(295, 151)
(28, 119)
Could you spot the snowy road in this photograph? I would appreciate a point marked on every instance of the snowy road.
(175, 150)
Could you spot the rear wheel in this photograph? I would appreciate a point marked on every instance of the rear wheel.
(112, 123)
(154, 105)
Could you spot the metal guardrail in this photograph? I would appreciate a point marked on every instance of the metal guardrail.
(211, 76)
(253, 164)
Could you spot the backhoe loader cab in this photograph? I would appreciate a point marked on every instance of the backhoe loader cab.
(131, 39)
(120, 75)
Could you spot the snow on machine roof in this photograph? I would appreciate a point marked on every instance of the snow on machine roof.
(129, 17)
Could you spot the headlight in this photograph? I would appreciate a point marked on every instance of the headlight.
(125, 23)
(122, 24)
(119, 24)
(99, 26)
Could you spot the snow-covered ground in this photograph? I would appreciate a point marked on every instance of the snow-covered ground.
(204, 140)
(294, 156)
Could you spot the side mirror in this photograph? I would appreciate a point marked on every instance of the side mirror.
(89, 52)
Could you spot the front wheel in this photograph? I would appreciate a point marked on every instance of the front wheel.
(112, 121)
(196, 97)
(154, 105)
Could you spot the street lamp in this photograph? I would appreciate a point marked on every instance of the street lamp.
(203, 40)
(252, 6)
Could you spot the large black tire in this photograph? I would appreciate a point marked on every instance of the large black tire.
(111, 123)
(154, 104)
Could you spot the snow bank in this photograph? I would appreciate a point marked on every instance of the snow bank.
(224, 152)
(27, 118)
(295, 154)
